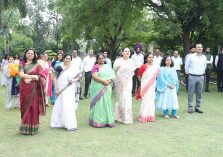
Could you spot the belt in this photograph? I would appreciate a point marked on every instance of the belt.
(196, 75)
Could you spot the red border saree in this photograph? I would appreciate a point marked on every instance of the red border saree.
(32, 99)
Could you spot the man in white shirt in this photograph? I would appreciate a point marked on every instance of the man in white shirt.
(88, 63)
(157, 58)
(219, 68)
(195, 67)
(108, 61)
(192, 51)
(208, 68)
(76, 61)
(177, 61)
(138, 57)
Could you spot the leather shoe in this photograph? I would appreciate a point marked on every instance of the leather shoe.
(198, 111)
(190, 111)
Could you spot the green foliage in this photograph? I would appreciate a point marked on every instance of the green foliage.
(193, 20)
(20, 43)
(108, 22)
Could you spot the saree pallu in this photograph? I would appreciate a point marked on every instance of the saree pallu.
(147, 92)
(53, 75)
(63, 114)
(101, 111)
(32, 99)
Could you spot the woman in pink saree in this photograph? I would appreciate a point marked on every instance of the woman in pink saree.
(31, 93)
(147, 73)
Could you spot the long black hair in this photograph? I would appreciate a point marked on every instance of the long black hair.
(6, 56)
(97, 56)
(17, 55)
(163, 64)
(34, 58)
(146, 56)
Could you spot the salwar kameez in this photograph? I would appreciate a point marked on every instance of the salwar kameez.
(166, 98)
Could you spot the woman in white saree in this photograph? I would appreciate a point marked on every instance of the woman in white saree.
(147, 73)
(63, 115)
(124, 68)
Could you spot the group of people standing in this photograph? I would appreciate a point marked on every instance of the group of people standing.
(151, 78)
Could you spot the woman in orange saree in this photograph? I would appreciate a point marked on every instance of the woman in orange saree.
(31, 93)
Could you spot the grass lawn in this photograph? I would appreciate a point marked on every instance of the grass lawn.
(193, 135)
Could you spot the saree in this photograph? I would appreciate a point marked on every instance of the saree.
(53, 94)
(147, 92)
(101, 111)
(123, 87)
(63, 114)
(166, 98)
(31, 99)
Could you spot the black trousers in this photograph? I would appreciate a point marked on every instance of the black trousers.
(207, 78)
(220, 80)
(136, 82)
(186, 81)
(88, 77)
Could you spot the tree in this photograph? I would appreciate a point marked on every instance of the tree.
(196, 18)
(108, 22)
(20, 43)
(8, 4)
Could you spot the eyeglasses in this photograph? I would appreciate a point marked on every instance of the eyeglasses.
(68, 58)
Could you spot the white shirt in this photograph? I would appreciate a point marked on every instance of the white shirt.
(88, 63)
(216, 60)
(77, 62)
(196, 64)
(157, 60)
(177, 61)
(108, 62)
(138, 58)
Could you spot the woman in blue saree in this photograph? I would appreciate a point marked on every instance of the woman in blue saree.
(101, 111)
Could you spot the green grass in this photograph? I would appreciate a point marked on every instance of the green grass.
(196, 135)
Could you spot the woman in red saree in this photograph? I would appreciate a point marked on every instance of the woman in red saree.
(31, 93)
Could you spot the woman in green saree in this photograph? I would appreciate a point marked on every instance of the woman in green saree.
(101, 110)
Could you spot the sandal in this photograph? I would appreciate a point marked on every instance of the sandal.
(166, 117)
(176, 116)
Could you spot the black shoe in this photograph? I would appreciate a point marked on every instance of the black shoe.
(81, 98)
(198, 111)
(190, 111)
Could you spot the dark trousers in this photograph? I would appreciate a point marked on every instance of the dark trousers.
(87, 82)
(220, 80)
(135, 82)
(186, 81)
(207, 78)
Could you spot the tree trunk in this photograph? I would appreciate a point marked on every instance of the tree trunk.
(6, 46)
(112, 48)
(1, 15)
(186, 42)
